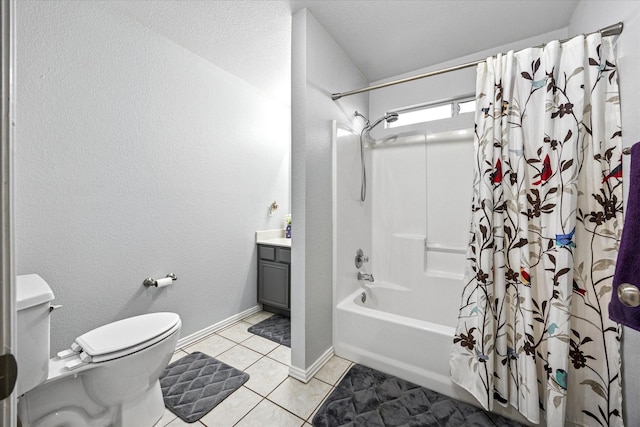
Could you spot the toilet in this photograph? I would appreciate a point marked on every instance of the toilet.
(108, 377)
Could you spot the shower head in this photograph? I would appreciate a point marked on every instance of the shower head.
(389, 118)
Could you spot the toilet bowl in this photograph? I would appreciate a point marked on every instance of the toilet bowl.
(109, 376)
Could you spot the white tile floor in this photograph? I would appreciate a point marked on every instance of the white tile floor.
(270, 397)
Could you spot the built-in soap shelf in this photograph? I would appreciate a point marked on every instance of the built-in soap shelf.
(435, 247)
(411, 256)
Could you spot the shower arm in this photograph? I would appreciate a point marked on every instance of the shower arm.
(366, 121)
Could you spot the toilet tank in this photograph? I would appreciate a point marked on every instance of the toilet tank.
(33, 299)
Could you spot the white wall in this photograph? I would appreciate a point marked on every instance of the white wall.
(319, 67)
(421, 193)
(135, 158)
(590, 16)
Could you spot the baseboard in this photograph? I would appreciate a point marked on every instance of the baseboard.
(306, 375)
(190, 339)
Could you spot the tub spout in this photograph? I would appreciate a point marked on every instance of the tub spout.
(365, 276)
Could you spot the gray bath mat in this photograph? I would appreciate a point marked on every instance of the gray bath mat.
(276, 328)
(366, 397)
(196, 383)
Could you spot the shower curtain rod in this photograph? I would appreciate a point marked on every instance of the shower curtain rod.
(611, 30)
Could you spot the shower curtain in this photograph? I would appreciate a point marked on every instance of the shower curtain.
(533, 329)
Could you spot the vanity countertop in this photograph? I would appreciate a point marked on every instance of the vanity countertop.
(273, 238)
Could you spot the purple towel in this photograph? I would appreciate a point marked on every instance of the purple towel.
(628, 263)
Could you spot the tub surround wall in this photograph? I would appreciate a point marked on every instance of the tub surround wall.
(319, 67)
(417, 226)
(135, 158)
(351, 217)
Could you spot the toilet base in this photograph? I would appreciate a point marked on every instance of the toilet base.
(71, 417)
(146, 411)
(143, 412)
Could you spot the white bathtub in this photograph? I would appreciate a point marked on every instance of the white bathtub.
(407, 333)
(400, 332)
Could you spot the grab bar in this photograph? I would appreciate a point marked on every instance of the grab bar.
(444, 248)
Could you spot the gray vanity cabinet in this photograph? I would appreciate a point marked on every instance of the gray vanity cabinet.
(274, 283)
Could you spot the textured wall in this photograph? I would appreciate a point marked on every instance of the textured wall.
(589, 16)
(319, 67)
(135, 158)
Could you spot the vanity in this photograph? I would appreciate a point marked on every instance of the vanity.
(274, 271)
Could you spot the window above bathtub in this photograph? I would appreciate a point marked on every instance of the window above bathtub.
(433, 111)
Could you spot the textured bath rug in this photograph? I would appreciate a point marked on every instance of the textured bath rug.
(276, 328)
(366, 397)
(196, 383)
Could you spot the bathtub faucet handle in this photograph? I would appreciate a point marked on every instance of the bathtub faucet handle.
(361, 258)
(365, 276)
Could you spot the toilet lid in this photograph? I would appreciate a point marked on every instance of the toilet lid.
(125, 336)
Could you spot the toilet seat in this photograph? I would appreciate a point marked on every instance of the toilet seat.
(121, 338)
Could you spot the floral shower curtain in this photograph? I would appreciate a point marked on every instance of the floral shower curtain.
(533, 330)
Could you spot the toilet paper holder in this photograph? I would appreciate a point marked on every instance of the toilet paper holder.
(153, 282)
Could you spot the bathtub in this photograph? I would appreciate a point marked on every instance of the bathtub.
(407, 333)
(404, 332)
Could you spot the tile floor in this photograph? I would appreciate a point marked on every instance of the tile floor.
(270, 397)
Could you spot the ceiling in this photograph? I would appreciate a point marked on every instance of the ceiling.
(249, 39)
(386, 38)
(252, 38)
